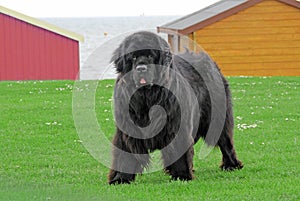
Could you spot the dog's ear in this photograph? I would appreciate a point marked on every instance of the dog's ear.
(166, 58)
(166, 55)
(118, 58)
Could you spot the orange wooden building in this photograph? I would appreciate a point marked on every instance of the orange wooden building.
(245, 37)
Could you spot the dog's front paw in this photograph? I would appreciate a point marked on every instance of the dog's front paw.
(183, 176)
(121, 178)
(231, 166)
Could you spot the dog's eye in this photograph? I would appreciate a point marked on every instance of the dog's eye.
(150, 56)
(134, 58)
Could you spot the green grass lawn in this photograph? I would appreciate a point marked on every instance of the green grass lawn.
(43, 158)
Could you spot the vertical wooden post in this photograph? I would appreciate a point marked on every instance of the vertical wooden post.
(194, 41)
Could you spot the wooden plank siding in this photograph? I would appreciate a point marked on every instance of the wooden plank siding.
(261, 40)
(31, 49)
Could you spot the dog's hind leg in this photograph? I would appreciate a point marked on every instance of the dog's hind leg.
(229, 161)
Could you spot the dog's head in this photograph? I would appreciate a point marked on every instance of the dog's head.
(145, 54)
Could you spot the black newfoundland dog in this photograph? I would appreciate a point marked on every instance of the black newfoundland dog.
(167, 102)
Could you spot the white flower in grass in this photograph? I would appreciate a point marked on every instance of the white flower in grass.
(109, 86)
(60, 89)
(245, 126)
(54, 123)
(69, 86)
(239, 118)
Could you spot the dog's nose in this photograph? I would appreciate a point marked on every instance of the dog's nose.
(141, 68)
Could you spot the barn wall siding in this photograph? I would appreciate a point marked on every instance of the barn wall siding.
(29, 52)
(261, 40)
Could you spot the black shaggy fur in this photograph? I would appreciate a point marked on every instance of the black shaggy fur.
(143, 49)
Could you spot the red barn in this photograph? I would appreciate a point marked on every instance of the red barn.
(31, 49)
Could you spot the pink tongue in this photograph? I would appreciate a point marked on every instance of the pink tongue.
(143, 81)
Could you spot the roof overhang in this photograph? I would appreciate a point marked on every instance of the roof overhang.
(171, 27)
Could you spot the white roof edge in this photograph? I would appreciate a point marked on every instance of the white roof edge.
(42, 24)
(174, 23)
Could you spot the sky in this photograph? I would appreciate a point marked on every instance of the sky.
(96, 8)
